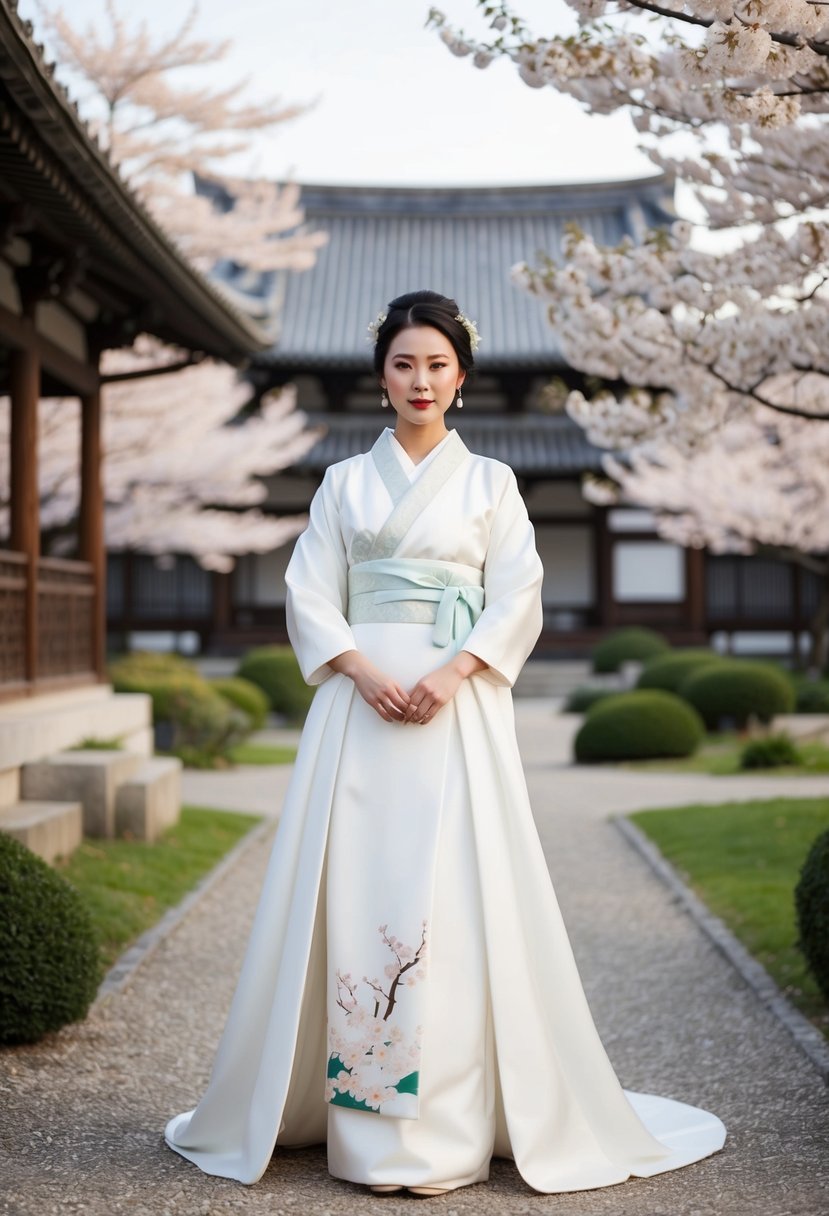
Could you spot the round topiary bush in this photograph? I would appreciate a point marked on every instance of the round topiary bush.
(812, 697)
(811, 898)
(668, 671)
(772, 752)
(585, 697)
(49, 963)
(639, 726)
(732, 691)
(275, 670)
(246, 696)
(625, 646)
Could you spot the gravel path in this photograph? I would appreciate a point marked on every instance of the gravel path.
(81, 1114)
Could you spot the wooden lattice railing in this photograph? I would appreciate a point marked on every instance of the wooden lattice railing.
(65, 607)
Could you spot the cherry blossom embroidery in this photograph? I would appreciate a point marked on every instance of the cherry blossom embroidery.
(371, 1059)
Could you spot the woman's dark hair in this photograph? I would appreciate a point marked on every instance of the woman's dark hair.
(424, 308)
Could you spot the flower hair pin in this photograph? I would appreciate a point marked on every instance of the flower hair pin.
(469, 326)
(374, 327)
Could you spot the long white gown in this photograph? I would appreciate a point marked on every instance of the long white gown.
(408, 994)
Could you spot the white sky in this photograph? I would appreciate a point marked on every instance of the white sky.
(394, 106)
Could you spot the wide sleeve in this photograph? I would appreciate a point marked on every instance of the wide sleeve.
(317, 581)
(508, 627)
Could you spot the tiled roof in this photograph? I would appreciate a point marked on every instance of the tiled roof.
(460, 241)
(532, 444)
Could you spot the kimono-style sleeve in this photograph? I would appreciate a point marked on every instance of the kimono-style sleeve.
(508, 627)
(317, 581)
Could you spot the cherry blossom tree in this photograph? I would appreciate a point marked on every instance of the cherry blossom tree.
(710, 337)
(162, 132)
(184, 457)
(184, 478)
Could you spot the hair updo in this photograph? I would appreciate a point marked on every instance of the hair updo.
(424, 308)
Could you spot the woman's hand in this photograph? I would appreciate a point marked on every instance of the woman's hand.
(431, 693)
(377, 689)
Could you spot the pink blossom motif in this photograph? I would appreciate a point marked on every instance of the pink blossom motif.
(371, 1059)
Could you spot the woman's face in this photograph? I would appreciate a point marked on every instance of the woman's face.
(421, 374)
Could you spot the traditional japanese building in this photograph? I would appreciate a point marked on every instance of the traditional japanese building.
(83, 267)
(603, 568)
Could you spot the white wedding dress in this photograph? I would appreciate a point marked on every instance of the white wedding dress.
(409, 995)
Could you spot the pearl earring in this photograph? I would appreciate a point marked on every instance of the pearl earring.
(384, 401)
(460, 400)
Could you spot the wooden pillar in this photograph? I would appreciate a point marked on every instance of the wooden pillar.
(695, 590)
(24, 390)
(604, 569)
(91, 538)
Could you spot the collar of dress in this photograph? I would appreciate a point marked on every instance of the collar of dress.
(410, 498)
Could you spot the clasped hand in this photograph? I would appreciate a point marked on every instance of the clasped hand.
(392, 702)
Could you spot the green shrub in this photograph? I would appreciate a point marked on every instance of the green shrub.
(627, 645)
(811, 899)
(639, 726)
(667, 671)
(203, 724)
(49, 967)
(246, 696)
(585, 697)
(734, 691)
(771, 752)
(275, 670)
(812, 697)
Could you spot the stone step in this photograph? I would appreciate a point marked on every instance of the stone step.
(90, 776)
(550, 678)
(150, 799)
(50, 829)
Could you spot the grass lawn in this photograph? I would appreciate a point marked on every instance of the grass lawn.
(262, 753)
(129, 885)
(720, 755)
(743, 860)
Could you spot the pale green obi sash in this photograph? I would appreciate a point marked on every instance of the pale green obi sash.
(413, 590)
(417, 590)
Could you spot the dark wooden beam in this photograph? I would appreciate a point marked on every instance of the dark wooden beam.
(695, 589)
(24, 390)
(91, 529)
(19, 333)
(603, 557)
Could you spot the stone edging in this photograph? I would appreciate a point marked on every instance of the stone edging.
(806, 1036)
(122, 971)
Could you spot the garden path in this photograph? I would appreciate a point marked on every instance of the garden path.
(81, 1114)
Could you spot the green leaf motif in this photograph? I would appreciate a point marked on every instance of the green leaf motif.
(340, 1099)
(407, 1084)
(336, 1066)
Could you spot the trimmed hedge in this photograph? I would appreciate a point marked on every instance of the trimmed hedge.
(244, 695)
(627, 645)
(771, 752)
(639, 725)
(204, 725)
(668, 671)
(811, 897)
(585, 697)
(49, 971)
(812, 697)
(737, 690)
(275, 670)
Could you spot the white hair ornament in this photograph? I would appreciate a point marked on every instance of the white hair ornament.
(375, 326)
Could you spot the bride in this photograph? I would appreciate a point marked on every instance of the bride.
(408, 994)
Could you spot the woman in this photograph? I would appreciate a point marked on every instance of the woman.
(409, 994)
